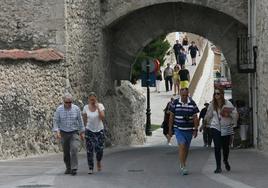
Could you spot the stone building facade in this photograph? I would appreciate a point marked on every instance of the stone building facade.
(262, 73)
(100, 39)
(32, 24)
(30, 89)
(29, 93)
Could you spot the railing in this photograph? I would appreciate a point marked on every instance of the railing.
(199, 70)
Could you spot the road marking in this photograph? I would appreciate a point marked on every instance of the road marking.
(208, 170)
(46, 179)
(26, 166)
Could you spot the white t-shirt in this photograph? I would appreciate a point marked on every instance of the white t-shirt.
(94, 123)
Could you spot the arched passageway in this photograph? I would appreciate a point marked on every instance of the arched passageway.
(130, 33)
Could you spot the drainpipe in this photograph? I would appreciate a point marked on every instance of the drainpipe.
(253, 86)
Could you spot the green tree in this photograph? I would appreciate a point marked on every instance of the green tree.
(157, 49)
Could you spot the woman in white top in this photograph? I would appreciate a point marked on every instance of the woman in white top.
(221, 115)
(93, 116)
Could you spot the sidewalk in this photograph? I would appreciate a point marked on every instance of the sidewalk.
(159, 101)
(249, 169)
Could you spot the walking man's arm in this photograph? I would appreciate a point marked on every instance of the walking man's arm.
(170, 124)
(80, 124)
(56, 122)
(196, 124)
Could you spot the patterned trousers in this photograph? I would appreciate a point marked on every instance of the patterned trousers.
(94, 143)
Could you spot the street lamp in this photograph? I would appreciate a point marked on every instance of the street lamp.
(148, 130)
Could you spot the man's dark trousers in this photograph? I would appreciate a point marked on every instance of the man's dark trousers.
(168, 79)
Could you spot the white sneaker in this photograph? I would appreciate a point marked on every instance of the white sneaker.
(90, 171)
(184, 171)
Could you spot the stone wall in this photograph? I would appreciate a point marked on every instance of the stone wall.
(30, 92)
(90, 70)
(262, 71)
(28, 24)
(130, 127)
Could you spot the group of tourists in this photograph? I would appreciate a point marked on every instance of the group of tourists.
(219, 121)
(181, 51)
(69, 123)
(176, 78)
(219, 117)
(181, 119)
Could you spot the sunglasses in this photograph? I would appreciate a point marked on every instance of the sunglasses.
(217, 93)
(67, 102)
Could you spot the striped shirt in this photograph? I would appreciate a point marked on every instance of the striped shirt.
(68, 120)
(183, 114)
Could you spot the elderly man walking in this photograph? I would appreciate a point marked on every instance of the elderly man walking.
(68, 125)
(168, 72)
(184, 121)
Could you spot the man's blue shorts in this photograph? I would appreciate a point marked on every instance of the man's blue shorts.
(184, 136)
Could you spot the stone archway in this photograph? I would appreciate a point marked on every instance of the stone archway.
(132, 32)
(104, 36)
(114, 10)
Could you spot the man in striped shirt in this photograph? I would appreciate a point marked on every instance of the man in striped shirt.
(68, 125)
(184, 121)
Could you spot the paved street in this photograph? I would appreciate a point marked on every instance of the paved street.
(147, 166)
